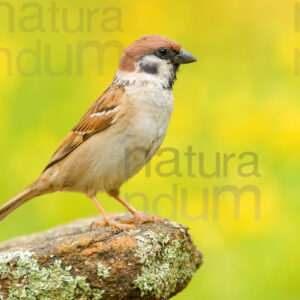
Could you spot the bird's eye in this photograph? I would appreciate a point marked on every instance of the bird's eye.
(162, 51)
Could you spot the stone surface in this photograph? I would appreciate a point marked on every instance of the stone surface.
(156, 261)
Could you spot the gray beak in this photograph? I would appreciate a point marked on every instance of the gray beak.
(184, 58)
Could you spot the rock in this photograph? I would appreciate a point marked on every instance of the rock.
(155, 261)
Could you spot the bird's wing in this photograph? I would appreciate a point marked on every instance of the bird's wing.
(102, 114)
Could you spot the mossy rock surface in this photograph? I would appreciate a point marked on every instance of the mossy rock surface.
(156, 261)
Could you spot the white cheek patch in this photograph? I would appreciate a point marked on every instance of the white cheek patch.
(163, 67)
(150, 59)
(161, 78)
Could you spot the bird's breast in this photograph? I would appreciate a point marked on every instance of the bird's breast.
(152, 107)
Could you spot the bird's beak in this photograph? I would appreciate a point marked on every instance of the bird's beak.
(184, 58)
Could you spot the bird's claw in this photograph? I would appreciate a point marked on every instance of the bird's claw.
(108, 221)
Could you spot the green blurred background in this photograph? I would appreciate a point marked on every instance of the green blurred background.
(242, 95)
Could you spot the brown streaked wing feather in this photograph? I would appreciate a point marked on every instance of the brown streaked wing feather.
(101, 114)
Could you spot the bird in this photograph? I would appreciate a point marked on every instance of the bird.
(119, 133)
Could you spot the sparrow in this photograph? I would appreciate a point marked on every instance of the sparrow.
(119, 133)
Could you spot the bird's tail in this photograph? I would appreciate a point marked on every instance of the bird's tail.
(32, 191)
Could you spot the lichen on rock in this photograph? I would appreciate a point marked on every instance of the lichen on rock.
(155, 261)
(30, 281)
(166, 263)
(103, 271)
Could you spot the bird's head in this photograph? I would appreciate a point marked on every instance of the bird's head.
(155, 55)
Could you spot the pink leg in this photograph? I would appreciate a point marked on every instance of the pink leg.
(107, 219)
(137, 217)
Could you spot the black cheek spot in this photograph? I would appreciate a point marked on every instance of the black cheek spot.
(149, 68)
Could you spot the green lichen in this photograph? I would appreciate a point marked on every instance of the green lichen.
(175, 225)
(103, 271)
(27, 280)
(133, 232)
(166, 263)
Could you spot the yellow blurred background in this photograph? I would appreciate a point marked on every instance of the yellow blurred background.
(241, 96)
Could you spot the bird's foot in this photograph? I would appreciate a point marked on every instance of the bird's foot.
(111, 222)
(138, 217)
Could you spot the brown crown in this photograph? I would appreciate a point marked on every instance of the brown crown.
(144, 45)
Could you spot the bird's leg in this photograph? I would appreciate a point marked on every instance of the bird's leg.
(137, 217)
(107, 219)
